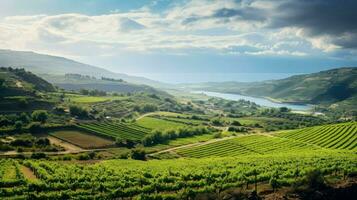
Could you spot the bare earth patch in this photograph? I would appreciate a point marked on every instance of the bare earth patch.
(28, 173)
(81, 139)
(64, 144)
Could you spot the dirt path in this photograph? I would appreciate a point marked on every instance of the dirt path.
(146, 114)
(66, 145)
(28, 173)
(195, 144)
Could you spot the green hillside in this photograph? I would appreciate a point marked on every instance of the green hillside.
(326, 87)
(21, 90)
(78, 82)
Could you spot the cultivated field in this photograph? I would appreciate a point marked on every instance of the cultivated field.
(81, 139)
(338, 136)
(251, 144)
(93, 99)
(171, 179)
(116, 130)
(159, 124)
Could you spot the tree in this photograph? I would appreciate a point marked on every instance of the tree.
(39, 116)
(2, 81)
(24, 118)
(78, 111)
(18, 125)
(284, 109)
(236, 123)
(138, 154)
(35, 127)
(23, 103)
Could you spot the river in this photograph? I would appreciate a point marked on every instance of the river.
(257, 100)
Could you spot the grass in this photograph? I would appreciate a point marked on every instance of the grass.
(159, 124)
(93, 99)
(82, 139)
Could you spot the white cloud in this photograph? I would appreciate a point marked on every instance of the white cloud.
(182, 29)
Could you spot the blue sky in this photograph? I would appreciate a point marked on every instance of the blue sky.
(191, 36)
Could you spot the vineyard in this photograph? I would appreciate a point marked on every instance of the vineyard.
(251, 144)
(337, 136)
(10, 174)
(116, 130)
(160, 124)
(170, 179)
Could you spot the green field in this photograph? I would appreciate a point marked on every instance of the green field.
(170, 179)
(339, 136)
(92, 99)
(159, 124)
(244, 145)
(82, 139)
(116, 130)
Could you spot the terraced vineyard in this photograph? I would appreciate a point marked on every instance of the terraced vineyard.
(337, 136)
(245, 145)
(116, 130)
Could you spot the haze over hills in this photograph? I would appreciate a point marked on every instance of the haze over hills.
(54, 65)
(325, 87)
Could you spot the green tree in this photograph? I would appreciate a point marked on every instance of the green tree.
(35, 127)
(18, 125)
(78, 111)
(39, 116)
(138, 154)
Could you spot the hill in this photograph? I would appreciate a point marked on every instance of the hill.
(78, 81)
(21, 90)
(325, 87)
(54, 65)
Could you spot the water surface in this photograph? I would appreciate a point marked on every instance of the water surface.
(257, 100)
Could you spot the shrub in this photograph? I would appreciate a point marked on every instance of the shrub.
(39, 116)
(38, 155)
(217, 135)
(18, 125)
(78, 111)
(35, 127)
(315, 179)
(138, 154)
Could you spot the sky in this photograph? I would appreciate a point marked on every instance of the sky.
(187, 36)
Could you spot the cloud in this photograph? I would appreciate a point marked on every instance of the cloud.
(253, 27)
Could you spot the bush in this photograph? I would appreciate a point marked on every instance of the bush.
(138, 154)
(39, 155)
(18, 125)
(23, 103)
(39, 116)
(78, 111)
(315, 179)
(236, 123)
(35, 127)
(217, 135)
(84, 157)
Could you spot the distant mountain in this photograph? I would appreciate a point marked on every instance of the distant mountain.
(325, 87)
(54, 65)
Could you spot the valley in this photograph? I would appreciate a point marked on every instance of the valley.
(132, 141)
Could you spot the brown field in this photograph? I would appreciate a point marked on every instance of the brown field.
(82, 139)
